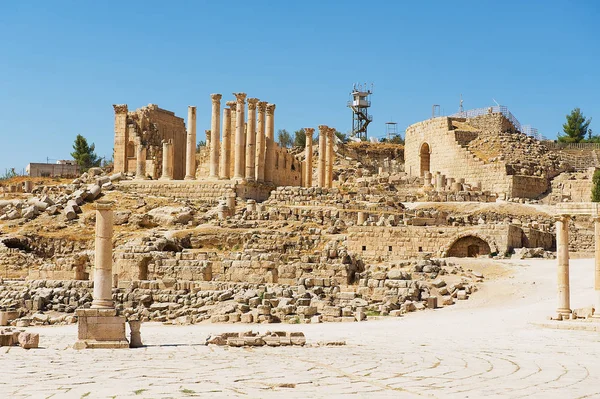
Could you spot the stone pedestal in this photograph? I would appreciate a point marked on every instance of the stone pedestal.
(321, 175)
(215, 130)
(225, 145)
(251, 140)
(270, 146)
(100, 329)
(135, 337)
(308, 156)
(240, 139)
(190, 149)
(562, 255)
(260, 141)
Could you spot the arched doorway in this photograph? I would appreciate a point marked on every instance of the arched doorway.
(425, 156)
(469, 246)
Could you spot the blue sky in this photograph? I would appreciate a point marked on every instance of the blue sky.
(64, 63)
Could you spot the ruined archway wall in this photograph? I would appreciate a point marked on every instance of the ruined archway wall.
(449, 158)
(412, 241)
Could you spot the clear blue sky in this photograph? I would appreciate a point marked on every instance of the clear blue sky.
(64, 63)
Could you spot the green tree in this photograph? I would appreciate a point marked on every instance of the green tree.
(300, 138)
(575, 128)
(84, 154)
(395, 139)
(343, 138)
(596, 186)
(199, 145)
(284, 138)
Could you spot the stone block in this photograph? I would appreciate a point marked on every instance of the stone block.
(29, 340)
(432, 302)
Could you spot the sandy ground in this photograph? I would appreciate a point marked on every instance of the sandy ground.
(484, 347)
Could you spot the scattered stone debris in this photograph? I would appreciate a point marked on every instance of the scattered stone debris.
(13, 337)
(250, 338)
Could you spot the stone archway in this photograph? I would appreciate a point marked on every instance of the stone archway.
(425, 157)
(469, 246)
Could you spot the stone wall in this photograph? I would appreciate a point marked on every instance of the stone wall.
(407, 242)
(151, 124)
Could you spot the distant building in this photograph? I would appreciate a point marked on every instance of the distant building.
(62, 168)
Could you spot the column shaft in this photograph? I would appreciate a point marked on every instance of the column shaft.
(597, 265)
(167, 173)
(308, 156)
(562, 254)
(233, 106)
(103, 257)
(240, 139)
(140, 170)
(251, 139)
(190, 164)
(322, 155)
(215, 129)
(330, 158)
(260, 142)
(225, 145)
(270, 146)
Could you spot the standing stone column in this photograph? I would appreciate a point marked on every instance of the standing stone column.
(270, 146)
(103, 257)
(240, 140)
(260, 142)
(309, 131)
(140, 169)
(225, 145)
(251, 140)
(330, 157)
(190, 164)
(233, 106)
(322, 156)
(597, 264)
(215, 128)
(562, 255)
(167, 171)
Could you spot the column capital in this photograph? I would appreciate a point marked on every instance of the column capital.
(120, 108)
(262, 106)
(270, 109)
(596, 218)
(232, 105)
(252, 102)
(323, 129)
(216, 98)
(240, 97)
(104, 205)
(562, 218)
(331, 132)
(192, 108)
(309, 131)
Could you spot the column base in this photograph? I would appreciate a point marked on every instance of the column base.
(189, 178)
(566, 313)
(103, 304)
(100, 329)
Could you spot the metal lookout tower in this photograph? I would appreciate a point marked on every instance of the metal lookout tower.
(360, 103)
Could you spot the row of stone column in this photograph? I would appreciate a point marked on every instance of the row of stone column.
(439, 182)
(252, 143)
(562, 255)
(326, 157)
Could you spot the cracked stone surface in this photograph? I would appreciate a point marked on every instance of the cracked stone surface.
(484, 347)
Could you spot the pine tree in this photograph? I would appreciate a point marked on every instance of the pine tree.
(596, 186)
(575, 128)
(84, 154)
(284, 138)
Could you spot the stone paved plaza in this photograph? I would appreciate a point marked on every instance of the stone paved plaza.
(484, 347)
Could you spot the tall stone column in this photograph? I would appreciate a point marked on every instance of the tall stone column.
(562, 254)
(215, 129)
(233, 106)
(597, 264)
(140, 166)
(330, 157)
(240, 140)
(225, 145)
(322, 155)
(190, 152)
(103, 257)
(308, 148)
(260, 142)
(167, 168)
(270, 146)
(251, 140)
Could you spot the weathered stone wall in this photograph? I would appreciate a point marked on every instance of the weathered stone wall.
(528, 186)
(152, 125)
(449, 157)
(407, 242)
